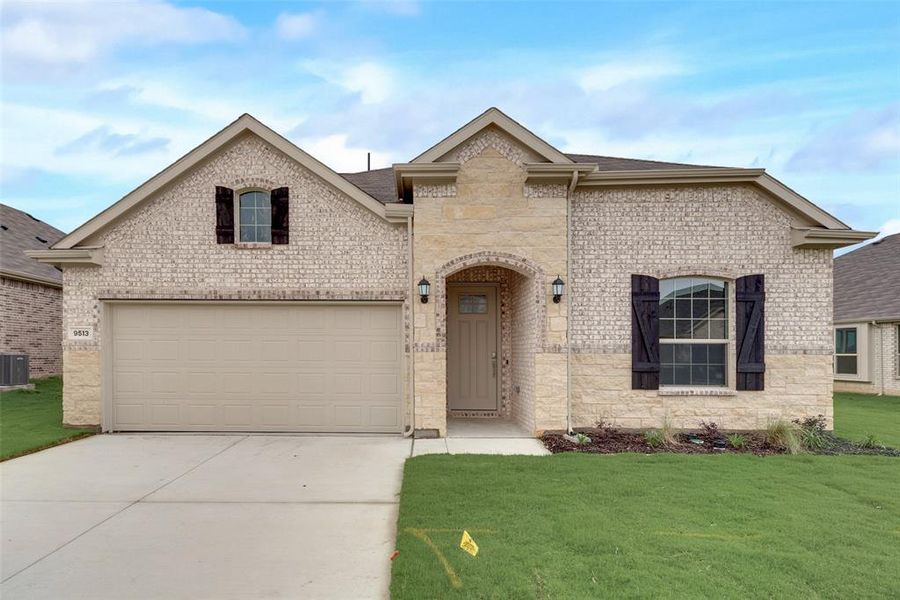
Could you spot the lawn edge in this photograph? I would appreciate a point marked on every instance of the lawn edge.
(48, 445)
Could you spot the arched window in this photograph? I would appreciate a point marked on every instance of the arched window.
(693, 331)
(255, 217)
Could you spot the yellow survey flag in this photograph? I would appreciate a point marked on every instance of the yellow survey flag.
(468, 544)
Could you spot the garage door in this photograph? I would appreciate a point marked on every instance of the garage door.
(256, 367)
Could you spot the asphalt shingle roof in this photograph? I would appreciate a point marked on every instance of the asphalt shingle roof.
(867, 282)
(380, 184)
(19, 231)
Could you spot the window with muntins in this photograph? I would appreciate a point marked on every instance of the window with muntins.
(255, 217)
(693, 331)
(846, 358)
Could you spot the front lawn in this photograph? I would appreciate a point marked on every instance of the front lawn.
(640, 526)
(32, 419)
(859, 415)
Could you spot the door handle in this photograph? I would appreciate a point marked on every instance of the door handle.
(494, 363)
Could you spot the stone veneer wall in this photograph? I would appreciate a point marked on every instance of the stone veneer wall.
(525, 321)
(486, 218)
(166, 249)
(715, 230)
(31, 323)
(883, 364)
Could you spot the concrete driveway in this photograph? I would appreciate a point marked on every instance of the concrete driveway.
(202, 516)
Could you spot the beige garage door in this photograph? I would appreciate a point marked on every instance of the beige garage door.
(255, 367)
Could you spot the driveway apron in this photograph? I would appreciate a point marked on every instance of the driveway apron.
(202, 516)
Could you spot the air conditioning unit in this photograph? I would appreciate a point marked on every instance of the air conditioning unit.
(13, 369)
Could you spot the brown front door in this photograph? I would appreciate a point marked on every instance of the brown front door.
(472, 350)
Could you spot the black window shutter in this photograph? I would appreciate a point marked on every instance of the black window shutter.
(280, 227)
(644, 332)
(750, 298)
(224, 215)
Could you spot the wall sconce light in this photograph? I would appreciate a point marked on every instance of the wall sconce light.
(557, 287)
(424, 290)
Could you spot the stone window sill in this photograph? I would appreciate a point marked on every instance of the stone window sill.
(851, 379)
(252, 245)
(696, 391)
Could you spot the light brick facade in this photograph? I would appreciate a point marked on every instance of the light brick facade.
(561, 363)
(31, 318)
(717, 230)
(166, 249)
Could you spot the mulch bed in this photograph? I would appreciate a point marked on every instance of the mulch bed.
(709, 441)
(613, 441)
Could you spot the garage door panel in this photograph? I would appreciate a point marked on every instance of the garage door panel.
(247, 367)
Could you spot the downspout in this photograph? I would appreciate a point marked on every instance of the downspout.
(569, 193)
(412, 329)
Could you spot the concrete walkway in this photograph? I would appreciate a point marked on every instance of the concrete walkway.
(481, 436)
(202, 516)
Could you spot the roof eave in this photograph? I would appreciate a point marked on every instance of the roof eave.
(29, 278)
(63, 257)
(818, 238)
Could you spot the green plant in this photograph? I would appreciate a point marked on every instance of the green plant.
(654, 438)
(581, 439)
(782, 434)
(667, 432)
(870, 441)
(736, 440)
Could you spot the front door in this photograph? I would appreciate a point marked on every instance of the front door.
(472, 360)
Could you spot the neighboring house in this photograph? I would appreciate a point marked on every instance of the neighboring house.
(867, 318)
(30, 293)
(250, 287)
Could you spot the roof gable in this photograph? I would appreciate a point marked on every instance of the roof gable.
(492, 117)
(244, 123)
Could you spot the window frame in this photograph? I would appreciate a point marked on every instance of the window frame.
(862, 352)
(728, 342)
(237, 217)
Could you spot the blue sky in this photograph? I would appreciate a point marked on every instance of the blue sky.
(97, 97)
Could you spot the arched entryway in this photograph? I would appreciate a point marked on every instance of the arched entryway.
(491, 322)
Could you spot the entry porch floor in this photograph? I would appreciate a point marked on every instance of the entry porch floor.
(481, 436)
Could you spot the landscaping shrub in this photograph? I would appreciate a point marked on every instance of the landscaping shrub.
(782, 434)
(654, 438)
(811, 432)
(736, 440)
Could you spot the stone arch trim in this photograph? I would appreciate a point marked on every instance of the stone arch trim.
(519, 264)
(709, 270)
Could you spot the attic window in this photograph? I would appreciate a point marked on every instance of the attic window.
(255, 217)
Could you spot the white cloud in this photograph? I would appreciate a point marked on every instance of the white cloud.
(295, 26)
(334, 152)
(373, 81)
(890, 227)
(615, 73)
(59, 33)
(864, 141)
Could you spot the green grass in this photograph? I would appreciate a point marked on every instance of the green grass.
(858, 415)
(660, 526)
(31, 420)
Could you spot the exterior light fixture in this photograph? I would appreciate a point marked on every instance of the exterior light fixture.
(424, 290)
(557, 287)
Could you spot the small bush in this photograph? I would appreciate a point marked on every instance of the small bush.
(736, 440)
(667, 431)
(870, 441)
(782, 434)
(654, 438)
(581, 439)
